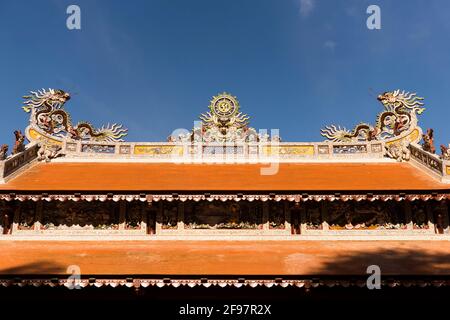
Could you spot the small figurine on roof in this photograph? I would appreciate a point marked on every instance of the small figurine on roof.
(48, 151)
(19, 145)
(3, 152)
(399, 151)
(445, 152)
(428, 141)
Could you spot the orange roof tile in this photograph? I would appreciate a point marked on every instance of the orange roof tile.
(229, 257)
(221, 177)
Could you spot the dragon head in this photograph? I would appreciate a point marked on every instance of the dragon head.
(409, 101)
(53, 98)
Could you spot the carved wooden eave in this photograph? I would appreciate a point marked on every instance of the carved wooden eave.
(306, 283)
(297, 198)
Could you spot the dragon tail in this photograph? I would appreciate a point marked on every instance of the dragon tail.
(336, 133)
(110, 133)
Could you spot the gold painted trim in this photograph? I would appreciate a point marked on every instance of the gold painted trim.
(289, 150)
(35, 135)
(413, 136)
(158, 150)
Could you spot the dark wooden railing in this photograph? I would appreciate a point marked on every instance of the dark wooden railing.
(16, 161)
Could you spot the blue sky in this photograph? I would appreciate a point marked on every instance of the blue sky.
(295, 65)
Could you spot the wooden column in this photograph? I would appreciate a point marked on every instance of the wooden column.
(180, 222)
(144, 216)
(430, 217)
(16, 218)
(122, 214)
(287, 216)
(408, 215)
(446, 217)
(324, 212)
(302, 218)
(38, 216)
(2, 213)
(441, 220)
(159, 215)
(265, 215)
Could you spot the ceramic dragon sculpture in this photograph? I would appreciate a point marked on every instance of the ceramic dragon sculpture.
(49, 122)
(397, 122)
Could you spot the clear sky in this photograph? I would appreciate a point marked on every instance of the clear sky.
(295, 65)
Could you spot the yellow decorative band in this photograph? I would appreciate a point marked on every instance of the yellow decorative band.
(35, 135)
(158, 150)
(288, 150)
(413, 136)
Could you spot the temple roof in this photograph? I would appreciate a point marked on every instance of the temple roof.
(325, 176)
(223, 153)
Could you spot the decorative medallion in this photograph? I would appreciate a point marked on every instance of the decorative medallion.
(224, 105)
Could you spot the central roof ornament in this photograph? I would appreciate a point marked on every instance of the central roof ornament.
(224, 122)
(224, 114)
